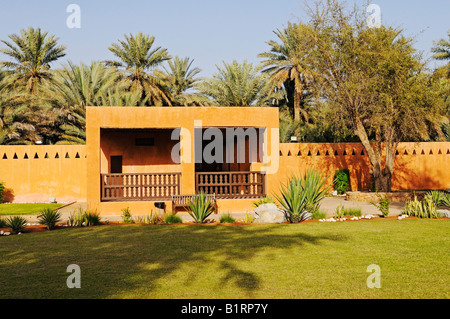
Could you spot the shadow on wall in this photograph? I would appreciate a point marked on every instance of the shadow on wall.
(421, 167)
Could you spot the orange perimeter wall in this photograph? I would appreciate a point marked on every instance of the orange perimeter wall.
(418, 166)
(35, 173)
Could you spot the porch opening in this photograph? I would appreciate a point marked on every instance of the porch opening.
(137, 165)
(227, 162)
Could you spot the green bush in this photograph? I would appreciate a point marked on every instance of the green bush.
(16, 223)
(300, 196)
(341, 181)
(126, 215)
(200, 207)
(227, 218)
(172, 219)
(383, 205)
(2, 192)
(49, 217)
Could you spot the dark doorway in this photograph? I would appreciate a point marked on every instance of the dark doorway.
(116, 164)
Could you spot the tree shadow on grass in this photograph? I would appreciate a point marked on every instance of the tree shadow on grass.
(134, 261)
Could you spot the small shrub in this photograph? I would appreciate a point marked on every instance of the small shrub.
(319, 215)
(339, 212)
(92, 218)
(77, 218)
(172, 219)
(249, 218)
(49, 217)
(341, 181)
(264, 200)
(16, 223)
(126, 215)
(227, 218)
(200, 207)
(353, 212)
(383, 205)
(152, 219)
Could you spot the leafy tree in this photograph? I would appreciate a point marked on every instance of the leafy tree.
(138, 60)
(236, 84)
(374, 81)
(31, 52)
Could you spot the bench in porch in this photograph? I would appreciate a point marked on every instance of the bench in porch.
(182, 201)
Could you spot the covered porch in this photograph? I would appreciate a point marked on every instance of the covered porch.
(138, 160)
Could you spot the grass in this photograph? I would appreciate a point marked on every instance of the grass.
(25, 209)
(310, 260)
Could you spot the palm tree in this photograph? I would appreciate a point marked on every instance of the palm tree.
(442, 51)
(14, 112)
(32, 53)
(182, 79)
(74, 88)
(138, 63)
(288, 66)
(236, 84)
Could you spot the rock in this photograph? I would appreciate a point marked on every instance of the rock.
(6, 233)
(334, 193)
(269, 213)
(444, 212)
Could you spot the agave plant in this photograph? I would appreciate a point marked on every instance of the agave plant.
(49, 217)
(16, 223)
(300, 196)
(440, 198)
(421, 209)
(200, 207)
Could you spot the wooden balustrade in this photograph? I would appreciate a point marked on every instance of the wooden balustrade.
(231, 184)
(140, 187)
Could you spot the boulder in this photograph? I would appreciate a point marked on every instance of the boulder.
(444, 212)
(269, 213)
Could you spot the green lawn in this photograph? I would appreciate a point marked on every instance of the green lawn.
(25, 209)
(310, 260)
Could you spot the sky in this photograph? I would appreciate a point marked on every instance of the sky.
(210, 32)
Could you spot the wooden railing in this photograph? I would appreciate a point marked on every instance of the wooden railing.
(231, 184)
(140, 187)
